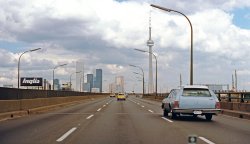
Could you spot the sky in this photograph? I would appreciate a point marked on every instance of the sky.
(103, 34)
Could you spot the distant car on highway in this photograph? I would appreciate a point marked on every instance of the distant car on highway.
(121, 96)
(112, 95)
(192, 100)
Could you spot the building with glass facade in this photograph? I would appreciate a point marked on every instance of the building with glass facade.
(90, 80)
(98, 79)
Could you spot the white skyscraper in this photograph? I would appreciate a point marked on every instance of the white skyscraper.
(150, 44)
(79, 76)
(119, 81)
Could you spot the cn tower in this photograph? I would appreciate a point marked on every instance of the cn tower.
(150, 44)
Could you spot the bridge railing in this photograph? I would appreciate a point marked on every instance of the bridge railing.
(234, 96)
(241, 97)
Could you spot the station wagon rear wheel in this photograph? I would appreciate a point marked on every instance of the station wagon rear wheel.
(165, 113)
(208, 117)
(173, 116)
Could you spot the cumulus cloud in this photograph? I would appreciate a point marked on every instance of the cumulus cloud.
(103, 34)
(199, 5)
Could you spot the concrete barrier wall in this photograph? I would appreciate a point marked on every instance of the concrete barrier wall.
(17, 94)
(226, 105)
(9, 105)
(243, 107)
(26, 104)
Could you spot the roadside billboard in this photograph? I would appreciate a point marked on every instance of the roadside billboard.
(31, 81)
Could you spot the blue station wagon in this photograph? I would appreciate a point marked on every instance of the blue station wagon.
(191, 100)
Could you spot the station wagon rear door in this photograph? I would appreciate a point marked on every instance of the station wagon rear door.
(196, 98)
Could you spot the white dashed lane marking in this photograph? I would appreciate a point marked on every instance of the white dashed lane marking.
(206, 140)
(151, 111)
(66, 134)
(166, 119)
(89, 117)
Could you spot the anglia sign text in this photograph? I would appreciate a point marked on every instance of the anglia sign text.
(28, 81)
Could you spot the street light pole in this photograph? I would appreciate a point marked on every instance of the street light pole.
(54, 73)
(142, 81)
(155, 68)
(191, 50)
(142, 78)
(71, 76)
(18, 67)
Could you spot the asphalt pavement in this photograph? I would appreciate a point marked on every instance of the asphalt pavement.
(108, 121)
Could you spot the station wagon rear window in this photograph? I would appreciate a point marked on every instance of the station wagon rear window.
(196, 92)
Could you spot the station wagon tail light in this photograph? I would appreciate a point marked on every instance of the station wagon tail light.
(217, 105)
(176, 104)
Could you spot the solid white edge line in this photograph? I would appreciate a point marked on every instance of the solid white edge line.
(151, 111)
(206, 140)
(66, 134)
(166, 119)
(99, 109)
(90, 116)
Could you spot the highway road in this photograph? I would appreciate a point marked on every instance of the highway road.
(108, 121)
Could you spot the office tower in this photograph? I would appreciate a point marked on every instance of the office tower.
(86, 87)
(57, 84)
(98, 79)
(112, 87)
(90, 79)
(119, 81)
(79, 76)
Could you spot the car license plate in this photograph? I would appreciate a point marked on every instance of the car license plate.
(197, 112)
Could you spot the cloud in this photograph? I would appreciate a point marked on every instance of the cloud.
(199, 5)
(7, 59)
(103, 34)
